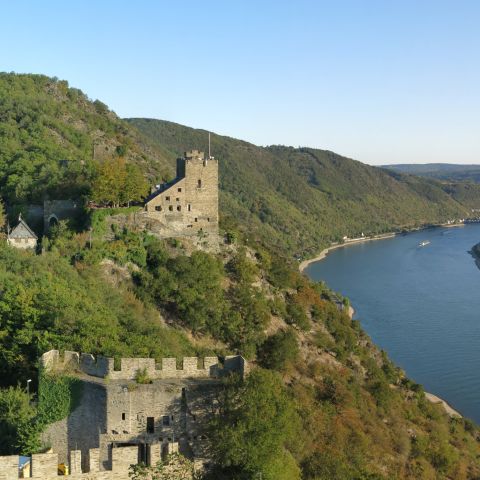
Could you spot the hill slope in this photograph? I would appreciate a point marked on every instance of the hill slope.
(297, 200)
(52, 136)
(302, 199)
(327, 404)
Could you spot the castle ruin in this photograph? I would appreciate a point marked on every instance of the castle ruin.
(168, 413)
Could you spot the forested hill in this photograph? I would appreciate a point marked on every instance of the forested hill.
(301, 199)
(53, 139)
(322, 402)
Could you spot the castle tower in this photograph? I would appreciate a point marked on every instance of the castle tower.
(201, 190)
(189, 204)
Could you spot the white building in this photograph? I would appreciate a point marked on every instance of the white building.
(22, 236)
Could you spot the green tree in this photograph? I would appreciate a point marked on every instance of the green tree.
(135, 186)
(197, 296)
(110, 179)
(2, 218)
(256, 422)
(279, 350)
(17, 421)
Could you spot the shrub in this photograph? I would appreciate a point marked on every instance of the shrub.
(296, 315)
(141, 376)
(279, 350)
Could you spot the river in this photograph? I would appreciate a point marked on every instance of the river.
(420, 304)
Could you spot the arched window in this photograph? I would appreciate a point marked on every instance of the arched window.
(170, 208)
(199, 184)
(179, 208)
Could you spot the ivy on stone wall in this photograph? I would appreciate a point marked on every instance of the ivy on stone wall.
(58, 396)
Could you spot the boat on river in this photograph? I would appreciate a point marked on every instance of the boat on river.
(424, 243)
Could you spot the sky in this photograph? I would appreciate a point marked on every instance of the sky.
(379, 81)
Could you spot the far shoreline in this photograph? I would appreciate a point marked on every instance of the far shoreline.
(354, 241)
(334, 246)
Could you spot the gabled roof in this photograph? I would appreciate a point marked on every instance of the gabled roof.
(22, 230)
(163, 188)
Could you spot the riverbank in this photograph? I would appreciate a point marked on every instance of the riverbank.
(354, 241)
(437, 400)
(449, 410)
(305, 263)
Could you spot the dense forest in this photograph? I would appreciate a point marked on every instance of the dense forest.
(322, 402)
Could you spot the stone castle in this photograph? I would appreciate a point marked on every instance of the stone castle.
(188, 204)
(185, 207)
(119, 422)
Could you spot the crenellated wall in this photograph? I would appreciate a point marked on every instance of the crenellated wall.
(44, 466)
(104, 367)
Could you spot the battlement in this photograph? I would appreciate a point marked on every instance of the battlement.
(45, 465)
(103, 367)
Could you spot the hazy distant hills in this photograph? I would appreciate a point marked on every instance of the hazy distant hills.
(442, 171)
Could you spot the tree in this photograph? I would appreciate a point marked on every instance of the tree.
(109, 181)
(135, 186)
(118, 183)
(279, 350)
(256, 422)
(17, 421)
(2, 217)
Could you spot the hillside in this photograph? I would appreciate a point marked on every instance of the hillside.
(322, 402)
(302, 199)
(461, 182)
(52, 136)
(298, 200)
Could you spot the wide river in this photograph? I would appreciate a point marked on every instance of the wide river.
(420, 304)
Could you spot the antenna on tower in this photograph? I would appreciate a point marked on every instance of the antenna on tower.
(209, 156)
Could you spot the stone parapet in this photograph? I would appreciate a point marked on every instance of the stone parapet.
(104, 367)
(45, 466)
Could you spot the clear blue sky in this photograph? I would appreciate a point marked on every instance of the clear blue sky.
(380, 81)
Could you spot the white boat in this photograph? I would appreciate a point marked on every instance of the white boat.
(424, 243)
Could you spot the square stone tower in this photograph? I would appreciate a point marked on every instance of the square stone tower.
(188, 205)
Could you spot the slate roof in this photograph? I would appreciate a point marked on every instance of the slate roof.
(163, 188)
(22, 230)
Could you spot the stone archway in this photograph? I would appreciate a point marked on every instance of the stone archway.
(52, 220)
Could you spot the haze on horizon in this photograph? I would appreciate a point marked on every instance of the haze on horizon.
(381, 82)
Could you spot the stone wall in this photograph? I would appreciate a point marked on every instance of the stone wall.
(81, 429)
(55, 211)
(104, 367)
(45, 465)
(115, 410)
